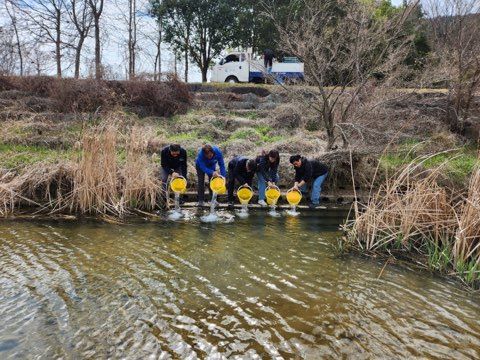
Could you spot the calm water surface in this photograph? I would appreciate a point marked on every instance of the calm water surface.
(260, 287)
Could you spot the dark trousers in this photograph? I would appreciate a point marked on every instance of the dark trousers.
(201, 184)
(165, 175)
(231, 188)
(268, 61)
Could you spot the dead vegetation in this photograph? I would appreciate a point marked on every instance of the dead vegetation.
(42, 93)
(411, 213)
(95, 183)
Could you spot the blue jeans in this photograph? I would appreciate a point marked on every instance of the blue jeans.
(316, 189)
(262, 185)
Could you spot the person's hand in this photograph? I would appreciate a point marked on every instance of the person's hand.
(215, 173)
(175, 175)
(246, 184)
(271, 183)
(295, 186)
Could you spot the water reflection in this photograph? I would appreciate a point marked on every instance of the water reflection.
(258, 287)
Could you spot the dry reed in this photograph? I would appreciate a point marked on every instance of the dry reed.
(96, 182)
(408, 209)
(141, 187)
(411, 211)
(467, 239)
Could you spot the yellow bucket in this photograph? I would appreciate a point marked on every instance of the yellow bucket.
(294, 197)
(272, 194)
(217, 184)
(178, 185)
(244, 194)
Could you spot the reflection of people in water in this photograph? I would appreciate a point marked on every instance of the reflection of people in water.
(268, 56)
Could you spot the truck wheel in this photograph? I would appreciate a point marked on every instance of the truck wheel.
(231, 80)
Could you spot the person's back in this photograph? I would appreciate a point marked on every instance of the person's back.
(206, 164)
(268, 56)
(318, 168)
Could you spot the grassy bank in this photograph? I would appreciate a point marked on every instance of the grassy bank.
(414, 214)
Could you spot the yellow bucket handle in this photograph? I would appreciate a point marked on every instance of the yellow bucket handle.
(292, 190)
(217, 177)
(272, 187)
(245, 201)
(177, 178)
(245, 187)
(271, 201)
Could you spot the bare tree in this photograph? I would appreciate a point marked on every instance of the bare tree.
(455, 29)
(82, 19)
(343, 45)
(45, 18)
(96, 7)
(12, 14)
(129, 19)
(8, 56)
(153, 37)
(132, 37)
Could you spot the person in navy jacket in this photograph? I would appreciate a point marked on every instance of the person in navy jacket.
(208, 158)
(242, 170)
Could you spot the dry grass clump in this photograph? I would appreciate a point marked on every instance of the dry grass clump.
(411, 211)
(96, 183)
(141, 185)
(287, 116)
(41, 185)
(405, 212)
(467, 240)
(88, 95)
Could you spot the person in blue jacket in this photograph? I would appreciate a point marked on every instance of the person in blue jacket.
(206, 164)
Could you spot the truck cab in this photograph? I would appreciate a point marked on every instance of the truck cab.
(232, 68)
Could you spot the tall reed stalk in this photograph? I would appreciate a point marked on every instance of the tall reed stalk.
(141, 187)
(96, 185)
(410, 211)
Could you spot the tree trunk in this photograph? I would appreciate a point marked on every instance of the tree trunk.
(186, 63)
(78, 52)
(159, 51)
(58, 43)
(17, 37)
(204, 72)
(98, 60)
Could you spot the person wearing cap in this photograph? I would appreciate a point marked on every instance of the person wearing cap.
(309, 172)
(242, 171)
(208, 158)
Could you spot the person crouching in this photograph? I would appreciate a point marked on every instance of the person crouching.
(309, 172)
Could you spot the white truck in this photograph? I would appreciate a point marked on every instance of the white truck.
(242, 67)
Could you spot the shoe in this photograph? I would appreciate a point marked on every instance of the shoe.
(200, 204)
(262, 203)
(313, 206)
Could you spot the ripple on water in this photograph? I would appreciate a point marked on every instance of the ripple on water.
(261, 287)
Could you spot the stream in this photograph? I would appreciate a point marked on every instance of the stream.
(256, 287)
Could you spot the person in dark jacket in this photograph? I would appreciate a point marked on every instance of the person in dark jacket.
(311, 172)
(206, 164)
(173, 161)
(267, 173)
(268, 56)
(242, 171)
